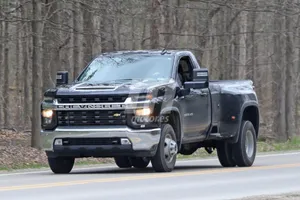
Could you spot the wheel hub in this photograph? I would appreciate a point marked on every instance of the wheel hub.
(249, 144)
(170, 148)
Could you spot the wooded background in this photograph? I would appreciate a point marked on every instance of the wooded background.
(235, 39)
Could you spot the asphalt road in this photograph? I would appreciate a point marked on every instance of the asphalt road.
(192, 179)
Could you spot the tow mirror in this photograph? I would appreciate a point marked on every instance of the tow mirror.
(62, 78)
(200, 79)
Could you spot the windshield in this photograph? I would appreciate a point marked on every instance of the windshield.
(127, 68)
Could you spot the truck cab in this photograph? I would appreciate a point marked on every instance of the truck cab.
(147, 106)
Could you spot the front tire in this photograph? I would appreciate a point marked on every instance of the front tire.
(245, 148)
(123, 162)
(61, 165)
(140, 162)
(165, 158)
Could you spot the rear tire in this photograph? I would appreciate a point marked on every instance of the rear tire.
(123, 162)
(61, 165)
(140, 162)
(245, 149)
(225, 154)
(165, 158)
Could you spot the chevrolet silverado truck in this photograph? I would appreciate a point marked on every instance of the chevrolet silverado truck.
(148, 106)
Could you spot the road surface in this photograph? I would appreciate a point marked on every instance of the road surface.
(192, 179)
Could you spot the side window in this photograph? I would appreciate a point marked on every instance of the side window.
(185, 70)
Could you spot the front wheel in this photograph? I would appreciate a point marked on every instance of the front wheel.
(61, 165)
(140, 162)
(123, 162)
(165, 158)
(245, 149)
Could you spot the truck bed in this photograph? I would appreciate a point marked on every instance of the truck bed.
(227, 99)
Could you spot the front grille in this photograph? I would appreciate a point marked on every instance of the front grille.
(92, 118)
(92, 99)
(90, 141)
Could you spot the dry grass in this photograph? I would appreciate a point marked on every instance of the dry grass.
(16, 153)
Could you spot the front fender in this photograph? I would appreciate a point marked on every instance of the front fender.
(167, 111)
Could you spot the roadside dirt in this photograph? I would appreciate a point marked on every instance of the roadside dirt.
(15, 152)
(291, 196)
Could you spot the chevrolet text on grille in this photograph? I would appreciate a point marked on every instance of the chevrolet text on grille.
(128, 104)
(102, 106)
(91, 106)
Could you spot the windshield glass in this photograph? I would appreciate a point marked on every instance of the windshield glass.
(128, 67)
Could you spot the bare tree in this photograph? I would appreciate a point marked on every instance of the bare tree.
(37, 29)
(247, 39)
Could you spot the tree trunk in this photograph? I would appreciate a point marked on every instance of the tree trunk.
(25, 66)
(87, 29)
(154, 31)
(103, 27)
(133, 32)
(250, 47)
(51, 58)
(278, 68)
(167, 24)
(37, 29)
(18, 76)
(1, 71)
(78, 55)
(290, 71)
(6, 76)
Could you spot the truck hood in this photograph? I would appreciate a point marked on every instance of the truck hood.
(128, 87)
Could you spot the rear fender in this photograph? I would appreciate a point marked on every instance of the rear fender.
(245, 105)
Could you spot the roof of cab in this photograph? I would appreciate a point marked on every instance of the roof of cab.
(155, 52)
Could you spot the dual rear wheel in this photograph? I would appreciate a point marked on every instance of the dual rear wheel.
(243, 152)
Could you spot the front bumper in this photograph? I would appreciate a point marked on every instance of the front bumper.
(143, 142)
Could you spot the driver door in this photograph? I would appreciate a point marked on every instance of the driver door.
(194, 105)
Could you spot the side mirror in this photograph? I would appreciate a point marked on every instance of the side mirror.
(200, 79)
(62, 78)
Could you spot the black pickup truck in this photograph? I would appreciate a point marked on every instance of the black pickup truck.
(142, 106)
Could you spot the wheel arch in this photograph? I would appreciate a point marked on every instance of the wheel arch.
(174, 119)
(249, 112)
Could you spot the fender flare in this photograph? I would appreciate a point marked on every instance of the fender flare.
(244, 106)
(167, 111)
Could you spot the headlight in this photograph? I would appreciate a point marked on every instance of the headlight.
(49, 119)
(47, 113)
(142, 97)
(143, 112)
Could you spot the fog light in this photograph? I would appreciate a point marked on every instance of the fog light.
(47, 120)
(58, 142)
(125, 141)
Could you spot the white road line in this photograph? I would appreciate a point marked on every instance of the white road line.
(180, 161)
